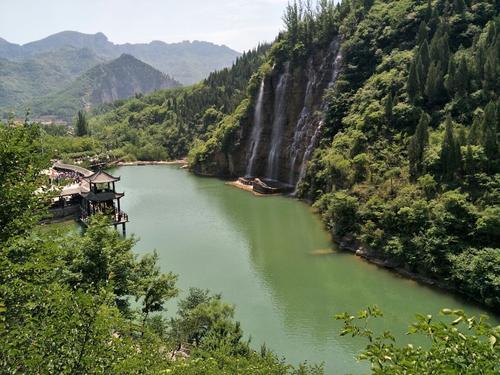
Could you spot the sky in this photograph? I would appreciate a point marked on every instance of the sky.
(239, 24)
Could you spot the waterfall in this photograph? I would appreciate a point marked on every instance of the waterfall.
(256, 131)
(334, 48)
(301, 128)
(280, 116)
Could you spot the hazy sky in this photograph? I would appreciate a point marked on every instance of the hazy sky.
(240, 24)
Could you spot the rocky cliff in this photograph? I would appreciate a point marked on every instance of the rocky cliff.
(280, 129)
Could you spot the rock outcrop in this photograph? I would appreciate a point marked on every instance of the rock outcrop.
(276, 138)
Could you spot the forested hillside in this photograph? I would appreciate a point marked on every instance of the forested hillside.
(408, 156)
(164, 125)
(22, 81)
(121, 78)
(409, 162)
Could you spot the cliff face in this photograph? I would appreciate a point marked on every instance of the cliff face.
(276, 138)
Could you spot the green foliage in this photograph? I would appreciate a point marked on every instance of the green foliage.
(167, 124)
(426, 191)
(65, 297)
(23, 81)
(21, 161)
(120, 78)
(81, 126)
(451, 157)
(307, 28)
(339, 211)
(464, 345)
(418, 143)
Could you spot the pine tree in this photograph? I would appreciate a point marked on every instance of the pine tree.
(422, 33)
(81, 127)
(451, 77)
(474, 137)
(489, 130)
(439, 49)
(451, 157)
(433, 22)
(470, 164)
(462, 137)
(413, 84)
(445, 49)
(462, 78)
(480, 59)
(424, 61)
(490, 70)
(418, 144)
(434, 85)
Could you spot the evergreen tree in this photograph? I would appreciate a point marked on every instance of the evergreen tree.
(451, 157)
(451, 77)
(470, 165)
(489, 130)
(462, 78)
(434, 85)
(424, 61)
(82, 126)
(418, 144)
(422, 33)
(462, 137)
(439, 49)
(490, 70)
(480, 60)
(474, 137)
(413, 84)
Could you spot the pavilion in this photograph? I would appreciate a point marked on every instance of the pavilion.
(99, 195)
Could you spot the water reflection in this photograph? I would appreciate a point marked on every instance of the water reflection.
(258, 253)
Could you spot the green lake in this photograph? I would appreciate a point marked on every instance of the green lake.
(261, 253)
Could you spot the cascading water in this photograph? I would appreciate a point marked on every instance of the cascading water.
(301, 129)
(279, 121)
(310, 147)
(256, 131)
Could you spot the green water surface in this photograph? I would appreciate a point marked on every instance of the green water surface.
(259, 252)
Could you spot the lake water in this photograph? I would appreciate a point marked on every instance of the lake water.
(261, 253)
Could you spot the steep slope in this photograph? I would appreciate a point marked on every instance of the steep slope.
(121, 78)
(20, 82)
(277, 138)
(405, 169)
(189, 62)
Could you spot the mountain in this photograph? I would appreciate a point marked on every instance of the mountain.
(175, 118)
(188, 62)
(21, 81)
(121, 78)
(394, 137)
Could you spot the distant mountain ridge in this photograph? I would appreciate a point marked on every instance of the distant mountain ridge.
(121, 78)
(21, 81)
(188, 62)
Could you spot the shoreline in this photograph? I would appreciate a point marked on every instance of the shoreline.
(139, 163)
(358, 249)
